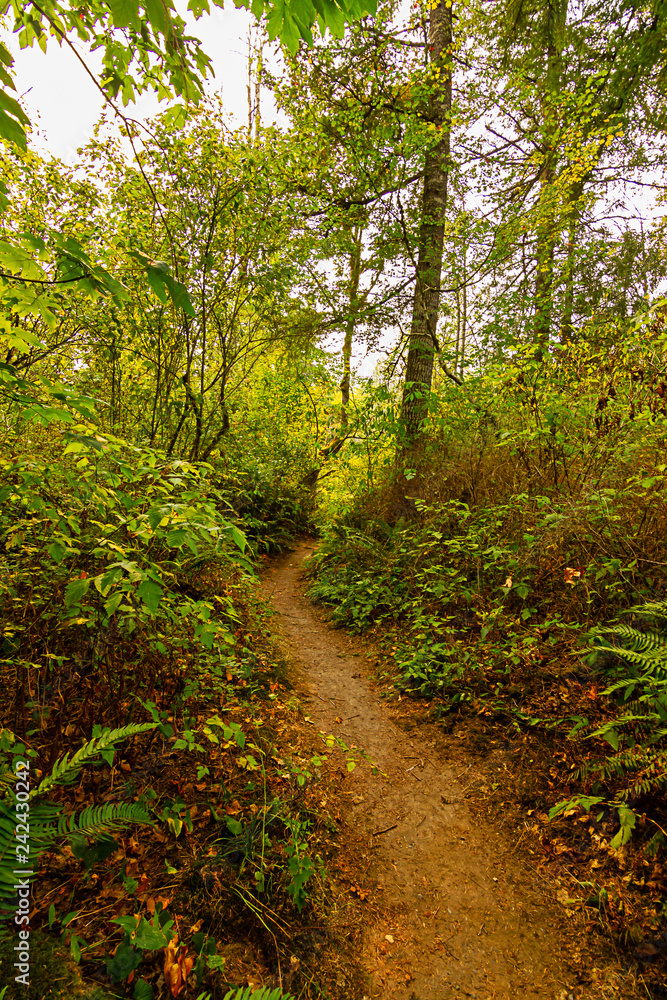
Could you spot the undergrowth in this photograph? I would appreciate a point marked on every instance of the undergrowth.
(141, 791)
(515, 573)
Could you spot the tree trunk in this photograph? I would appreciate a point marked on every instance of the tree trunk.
(332, 449)
(568, 277)
(422, 343)
(547, 224)
(544, 277)
(350, 323)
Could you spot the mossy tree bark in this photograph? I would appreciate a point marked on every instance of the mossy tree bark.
(423, 344)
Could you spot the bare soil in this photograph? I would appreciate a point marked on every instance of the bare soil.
(458, 910)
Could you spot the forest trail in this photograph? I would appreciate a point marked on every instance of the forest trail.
(463, 916)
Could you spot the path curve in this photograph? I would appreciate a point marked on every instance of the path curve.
(467, 919)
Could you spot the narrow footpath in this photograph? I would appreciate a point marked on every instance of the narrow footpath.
(468, 918)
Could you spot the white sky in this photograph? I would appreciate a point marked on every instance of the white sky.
(62, 101)
(63, 104)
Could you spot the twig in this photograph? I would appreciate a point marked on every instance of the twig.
(379, 832)
(516, 845)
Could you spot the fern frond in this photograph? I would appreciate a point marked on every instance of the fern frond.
(652, 609)
(7, 778)
(42, 820)
(101, 819)
(650, 659)
(48, 825)
(263, 993)
(641, 640)
(66, 769)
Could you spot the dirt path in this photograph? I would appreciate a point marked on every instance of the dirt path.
(465, 918)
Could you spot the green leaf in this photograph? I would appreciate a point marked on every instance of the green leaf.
(177, 538)
(102, 849)
(175, 825)
(234, 826)
(239, 538)
(150, 593)
(157, 15)
(12, 131)
(13, 107)
(143, 990)
(75, 948)
(612, 738)
(149, 937)
(111, 605)
(165, 285)
(123, 962)
(125, 13)
(154, 517)
(74, 592)
(56, 551)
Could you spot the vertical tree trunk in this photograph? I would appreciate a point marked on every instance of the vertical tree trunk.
(258, 85)
(464, 314)
(350, 323)
(332, 449)
(547, 224)
(422, 343)
(568, 300)
(544, 276)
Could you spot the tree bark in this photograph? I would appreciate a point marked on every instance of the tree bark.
(350, 324)
(547, 225)
(332, 449)
(422, 343)
(566, 327)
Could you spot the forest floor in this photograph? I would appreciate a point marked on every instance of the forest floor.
(447, 897)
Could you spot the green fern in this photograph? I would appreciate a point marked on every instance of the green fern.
(638, 766)
(48, 825)
(263, 993)
(43, 820)
(102, 819)
(7, 779)
(65, 770)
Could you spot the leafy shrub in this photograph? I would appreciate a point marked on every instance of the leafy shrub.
(97, 550)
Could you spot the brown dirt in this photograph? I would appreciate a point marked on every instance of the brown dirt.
(458, 912)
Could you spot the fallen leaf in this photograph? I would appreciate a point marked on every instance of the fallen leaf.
(564, 898)
(573, 573)
(646, 950)
(177, 965)
(152, 901)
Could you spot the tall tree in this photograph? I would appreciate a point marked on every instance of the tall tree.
(423, 342)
